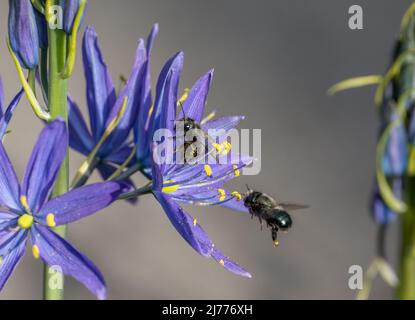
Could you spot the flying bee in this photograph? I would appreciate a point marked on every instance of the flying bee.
(267, 209)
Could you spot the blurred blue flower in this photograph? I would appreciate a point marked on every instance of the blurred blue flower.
(28, 211)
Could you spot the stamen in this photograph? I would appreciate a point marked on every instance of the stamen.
(35, 252)
(25, 221)
(23, 201)
(227, 147)
(222, 194)
(184, 97)
(50, 220)
(237, 195)
(150, 111)
(208, 170)
(221, 262)
(194, 222)
(218, 147)
(170, 189)
(236, 171)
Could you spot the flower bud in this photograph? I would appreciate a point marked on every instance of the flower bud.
(23, 32)
(70, 9)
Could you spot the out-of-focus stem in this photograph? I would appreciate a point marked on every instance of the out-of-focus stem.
(406, 288)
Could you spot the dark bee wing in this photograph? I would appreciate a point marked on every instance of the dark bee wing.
(289, 206)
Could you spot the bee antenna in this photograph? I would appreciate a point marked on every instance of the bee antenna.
(182, 109)
(248, 188)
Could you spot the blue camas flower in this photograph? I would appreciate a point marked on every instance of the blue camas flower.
(104, 105)
(29, 213)
(199, 184)
(7, 113)
(24, 32)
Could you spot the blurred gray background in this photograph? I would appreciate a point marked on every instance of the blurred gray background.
(274, 61)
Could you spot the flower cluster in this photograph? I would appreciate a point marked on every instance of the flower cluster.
(118, 142)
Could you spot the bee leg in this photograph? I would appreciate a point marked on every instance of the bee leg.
(274, 233)
(260, 222)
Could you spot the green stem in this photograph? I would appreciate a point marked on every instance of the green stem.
(58, 108)
(406, 288)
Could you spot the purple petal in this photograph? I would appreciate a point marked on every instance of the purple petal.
(166, 93)
(121, 155)
(100, 89)
(106, 170)
(142, 125)
(2, 99)
(184, 224)
(55, 251)
(82, 202)
(9, 185)
(4, 216)
(194, 234)
(156, 173)
(236, 205)
(223, 123)
(132, 91)
(79, 137)
(9, 240)
(194, 106)
(4, 122)
(229, 264)
(10, 262)
(44, 163)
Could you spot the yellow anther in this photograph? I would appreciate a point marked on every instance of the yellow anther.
(208, 170)
(35, 252)
(227, 147)
(194, 222)
(170, 189)
(25, 221)
(50, 220)
(221, 262)
(236, 171)
(237, 195)
(184, 96)
(23, 201)
(222, 194)
(218, 147)
(150, 111)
